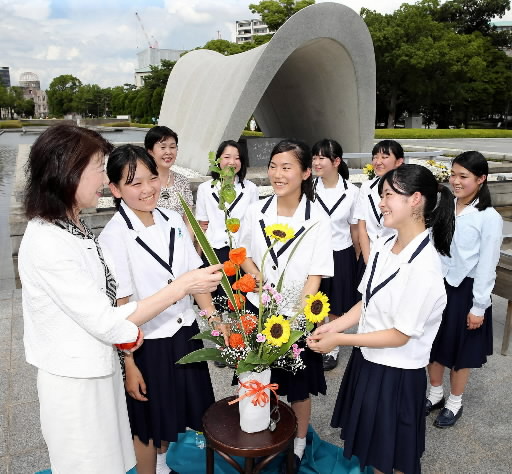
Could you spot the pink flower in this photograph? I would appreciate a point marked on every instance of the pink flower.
(203, 313)
(265, 298)
(215, 333)
(296, 350)
(261, 337)
(278, 297)
(267, 287)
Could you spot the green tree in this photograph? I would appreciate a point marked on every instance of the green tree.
(468, 16)
(62, 94)
(275, 12)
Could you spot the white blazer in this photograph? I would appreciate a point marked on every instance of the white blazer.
(69, 323)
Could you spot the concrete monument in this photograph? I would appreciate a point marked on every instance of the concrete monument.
(314, 79)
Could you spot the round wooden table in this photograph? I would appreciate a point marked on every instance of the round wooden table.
(221, 427)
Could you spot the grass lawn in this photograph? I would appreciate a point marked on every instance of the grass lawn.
(400, 133)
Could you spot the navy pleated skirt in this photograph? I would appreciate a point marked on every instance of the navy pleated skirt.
(360, 269)
(456, 346)
(305, 382)
(178, 394)
(381, 413)
(341, 288)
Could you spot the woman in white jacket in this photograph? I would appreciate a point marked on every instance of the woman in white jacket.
(70, 318)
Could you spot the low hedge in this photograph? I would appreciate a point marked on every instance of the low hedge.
(10, 124)
(418, 133)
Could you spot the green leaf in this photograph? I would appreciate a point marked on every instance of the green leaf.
(294, 337)
(228, 193)
(208, 251)
(207, 336)
(254, 358)
(202, 355)
(244, 366)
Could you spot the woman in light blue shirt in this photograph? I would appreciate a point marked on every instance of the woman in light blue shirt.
(465, 339)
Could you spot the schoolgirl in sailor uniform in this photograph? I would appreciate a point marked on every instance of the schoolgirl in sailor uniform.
(290, 175)
(150, 247)
(208, 214)
(386, 155)
(380, 405)
(465, 337)
(337, 196)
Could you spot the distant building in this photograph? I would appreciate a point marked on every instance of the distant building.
(153, 57)
(31, 86)
(5, 77)
(504, 26)
(246, 30)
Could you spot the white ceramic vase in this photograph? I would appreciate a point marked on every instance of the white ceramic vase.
(254, 418)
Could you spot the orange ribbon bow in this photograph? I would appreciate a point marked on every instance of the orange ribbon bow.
(256, 388)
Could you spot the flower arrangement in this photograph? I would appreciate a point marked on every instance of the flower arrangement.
(439, 170)
(256, 341)
(369, 171)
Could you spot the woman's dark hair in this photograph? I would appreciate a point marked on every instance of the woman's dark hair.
(127, 156)
(388, 147)
(438, 211)
(157, 134)
(55, 165)
(331, 149)
(243, 158)
(304, 157)
(476, 164)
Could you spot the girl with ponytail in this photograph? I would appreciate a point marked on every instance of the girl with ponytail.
(337, 196)
(399, 315)
(465, 339)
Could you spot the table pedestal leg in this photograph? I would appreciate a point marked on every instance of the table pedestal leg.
(290, 459)
(249, 465)
(209, 460)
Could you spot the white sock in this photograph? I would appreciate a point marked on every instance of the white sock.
(299, 445)
(334, 352)
(454, 403)
(161, 463)
(435, 394)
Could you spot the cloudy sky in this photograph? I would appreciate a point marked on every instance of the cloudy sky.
(97, 40)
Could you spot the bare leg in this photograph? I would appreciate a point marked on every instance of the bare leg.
(146, 456)
(435, 373)
(458, 380)
(302, 410)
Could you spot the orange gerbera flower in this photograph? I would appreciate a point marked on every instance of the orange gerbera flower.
(230, 268)
(246, 284)
(233, 224)
(249, 322)
(237, 256)
(239, 300)
(236, 341)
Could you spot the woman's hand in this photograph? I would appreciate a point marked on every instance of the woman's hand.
(203, 225)
(134, 383)
(474, 322)
(202, 280)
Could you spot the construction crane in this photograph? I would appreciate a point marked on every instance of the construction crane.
(151, 45)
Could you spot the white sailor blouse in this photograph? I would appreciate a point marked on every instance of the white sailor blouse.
(312, 257)
(367, 209)
(207, 209)
(147, 259)
(339, 204)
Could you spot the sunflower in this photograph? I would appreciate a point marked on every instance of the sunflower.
(317, 307)
(281, 232)
(277, 330)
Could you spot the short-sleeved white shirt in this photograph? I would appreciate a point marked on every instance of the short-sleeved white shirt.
(339, 204)
(313, 256)
(412, 302)
(207, 209)
(140, 275)
(367, 209)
